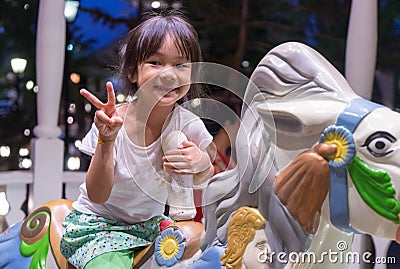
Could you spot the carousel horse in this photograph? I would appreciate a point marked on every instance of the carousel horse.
(317, 161)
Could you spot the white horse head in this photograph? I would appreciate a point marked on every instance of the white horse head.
(312, 103)
(296, 101)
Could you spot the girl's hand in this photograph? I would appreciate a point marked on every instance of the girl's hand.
(187, 159)
(106, 118)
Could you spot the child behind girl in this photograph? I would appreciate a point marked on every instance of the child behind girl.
(123, 198)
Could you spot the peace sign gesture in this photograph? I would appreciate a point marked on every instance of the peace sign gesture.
(106, 118)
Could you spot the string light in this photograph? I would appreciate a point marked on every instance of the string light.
(5, 151)
(27, 132)
(29, 85)
(88, 107)
(74, 163)
(155, 4)
(121, 97)
(25, 163)
(23, 152)
(78, 143)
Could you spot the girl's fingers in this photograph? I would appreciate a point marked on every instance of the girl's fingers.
(109, 121)
(91, 98)
(110, 94)
(117, 120)
(181, 172)
(95, 101)
(177, 165)
(173, 152)
(186, 144)
(103, 117)
(174, 158)
(180, 151)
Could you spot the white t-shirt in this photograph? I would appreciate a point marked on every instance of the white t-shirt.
(139, 192)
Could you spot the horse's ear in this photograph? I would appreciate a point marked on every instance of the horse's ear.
(297, 122)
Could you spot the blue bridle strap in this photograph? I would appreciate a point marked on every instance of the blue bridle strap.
(351, 116)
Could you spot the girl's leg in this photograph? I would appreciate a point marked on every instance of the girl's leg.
(117, 259)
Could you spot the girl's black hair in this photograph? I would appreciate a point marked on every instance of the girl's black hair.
(145, 40)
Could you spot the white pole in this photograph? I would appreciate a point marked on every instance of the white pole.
(361, 46)
(47, 147)
(179, 187)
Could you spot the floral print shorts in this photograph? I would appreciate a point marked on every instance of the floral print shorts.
(87, 236)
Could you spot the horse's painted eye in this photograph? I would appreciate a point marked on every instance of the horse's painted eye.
(379, 144)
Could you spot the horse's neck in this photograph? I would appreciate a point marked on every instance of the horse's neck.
(329, 239)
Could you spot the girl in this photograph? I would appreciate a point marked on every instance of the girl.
(122, 201)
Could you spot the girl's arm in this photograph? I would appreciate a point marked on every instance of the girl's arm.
(100, 175)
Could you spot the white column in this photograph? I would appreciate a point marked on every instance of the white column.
(48, 149)
(361, 46)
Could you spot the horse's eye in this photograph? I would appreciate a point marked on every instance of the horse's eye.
(379, 144)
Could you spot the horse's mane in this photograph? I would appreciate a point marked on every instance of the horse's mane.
(294, 71)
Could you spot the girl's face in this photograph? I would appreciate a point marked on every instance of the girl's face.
(164, 77)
